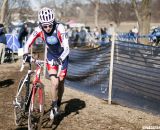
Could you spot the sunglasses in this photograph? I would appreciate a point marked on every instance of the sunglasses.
(47, 26)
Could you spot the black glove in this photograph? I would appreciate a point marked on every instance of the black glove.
(27, 58)
(57, 62)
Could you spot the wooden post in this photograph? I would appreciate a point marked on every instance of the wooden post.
(111, 69)
(117, 52)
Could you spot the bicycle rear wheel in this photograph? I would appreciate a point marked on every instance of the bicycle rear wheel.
(36, 107)
(19, 102)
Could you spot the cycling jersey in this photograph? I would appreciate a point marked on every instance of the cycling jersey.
(56, 41)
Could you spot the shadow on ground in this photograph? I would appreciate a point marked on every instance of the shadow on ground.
(72, 106)
(22, 128)
(6, 83)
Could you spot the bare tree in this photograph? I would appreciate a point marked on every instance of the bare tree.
(155, 10)
(96, 4)
(143, 14)
(7, 9)
(4, 10)
(115, 11)
(23, 8)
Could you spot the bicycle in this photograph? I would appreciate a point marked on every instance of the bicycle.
(28, 103)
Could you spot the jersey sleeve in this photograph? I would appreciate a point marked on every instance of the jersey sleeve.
(63, 38)
(35, 34)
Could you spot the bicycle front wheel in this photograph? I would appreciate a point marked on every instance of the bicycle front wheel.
(36, 107)
(19, 102)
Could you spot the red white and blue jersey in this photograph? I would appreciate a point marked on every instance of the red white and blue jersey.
(57, 42)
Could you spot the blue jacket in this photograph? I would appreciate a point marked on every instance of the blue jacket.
(3, 38)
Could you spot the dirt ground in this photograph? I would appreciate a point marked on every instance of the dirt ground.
(82, 111)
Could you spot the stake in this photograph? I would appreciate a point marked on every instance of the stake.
(111, 69)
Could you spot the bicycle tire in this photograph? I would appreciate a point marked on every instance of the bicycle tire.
(20, 115)
(36, 111)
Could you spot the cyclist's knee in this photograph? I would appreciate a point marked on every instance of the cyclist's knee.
(61, 79)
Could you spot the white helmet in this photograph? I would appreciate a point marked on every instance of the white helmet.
(46, 15)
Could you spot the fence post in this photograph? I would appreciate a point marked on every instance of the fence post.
(111, 69)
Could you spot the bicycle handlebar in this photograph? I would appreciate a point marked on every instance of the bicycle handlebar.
(40, 62)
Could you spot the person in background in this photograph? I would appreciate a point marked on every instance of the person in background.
(82, 36)
(135, 30)
(96, 33)
(3, 43)
(110, 31)
(103, 35)
(135, 33)
(53, 33)
(22, 34)
(75, 37)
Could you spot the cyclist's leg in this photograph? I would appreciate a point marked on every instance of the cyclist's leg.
(57, 88)
(54, 83)
(52, 70)
(61, 81)
(61, 86)
(60, 92)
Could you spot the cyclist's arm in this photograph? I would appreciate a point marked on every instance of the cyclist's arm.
(63, 38)
(35, 34)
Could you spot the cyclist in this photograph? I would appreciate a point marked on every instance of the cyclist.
(54, 35)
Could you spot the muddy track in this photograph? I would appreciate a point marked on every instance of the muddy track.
(81, 111)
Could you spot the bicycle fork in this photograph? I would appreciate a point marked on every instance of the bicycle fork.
(40, 97)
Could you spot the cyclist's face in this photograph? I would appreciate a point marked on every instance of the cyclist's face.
(47, 27)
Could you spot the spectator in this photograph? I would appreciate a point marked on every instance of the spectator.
(135, 33)
(22, 34)
(75, 36)
(103, 35)
(135, 30)
(3, 43)
(130, 34)
(82, 36)
(110, 31)
(96, 33)
(155, 35)
(90, 38)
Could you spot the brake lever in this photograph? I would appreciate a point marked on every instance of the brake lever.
(24, 61)
(22, 66)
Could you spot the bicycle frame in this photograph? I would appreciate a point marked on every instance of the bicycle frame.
(33, 100)
(35, 87)
(36, 80)
(39, 64)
